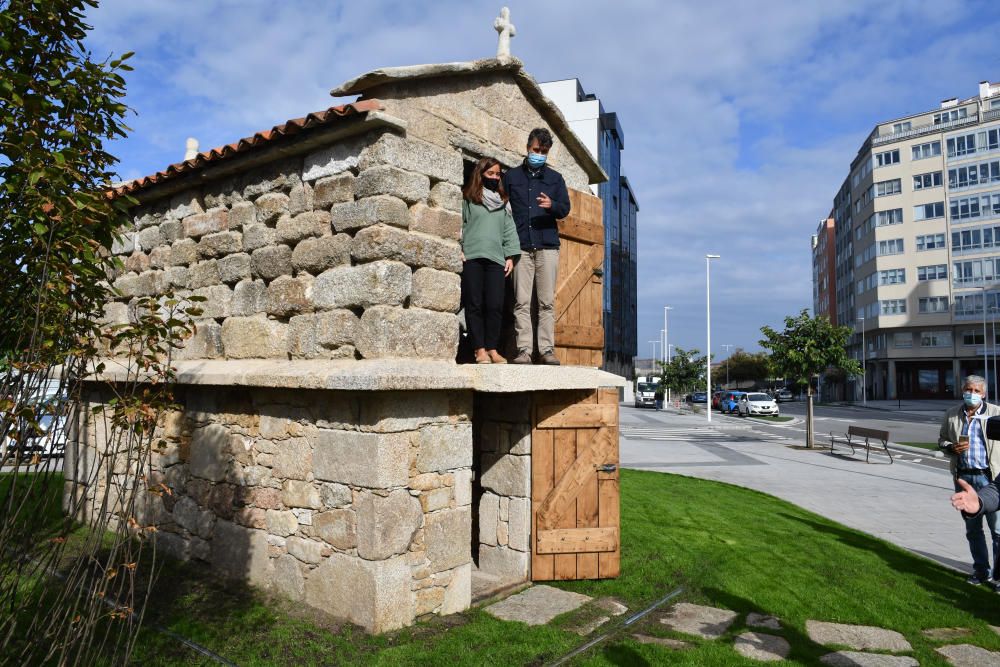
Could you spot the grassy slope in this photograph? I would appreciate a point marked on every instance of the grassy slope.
(727, 546)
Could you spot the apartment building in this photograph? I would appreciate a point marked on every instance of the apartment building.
(916, 251)
(601, 132)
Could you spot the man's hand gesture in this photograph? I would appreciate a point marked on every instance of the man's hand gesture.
(966, 500)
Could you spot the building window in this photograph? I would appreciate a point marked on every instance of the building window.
(930, 149)
(964, 144)
(975, 239)
(892, 306)
(932, 272)
(887, 158)
(892, 217)
(935, 339)
(885, 188)
(977, 206)
(930, 242)
(951, 116)
(929, 180)
(974, 271)
(928, 211)
(892, 277)
(904, 339)
(901, 127)
(975, 174)
(933, 304)
(891, 247)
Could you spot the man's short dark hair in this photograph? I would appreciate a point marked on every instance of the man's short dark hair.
(543, 136)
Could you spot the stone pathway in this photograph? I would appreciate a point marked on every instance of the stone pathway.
(758, 646)
(858, 637)
(858, 659)
(696, 619)
(675, 644)
(945, 634)
(755, 620)
(967, 655)
(537, 605)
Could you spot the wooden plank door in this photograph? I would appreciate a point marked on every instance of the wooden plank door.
(574, 486)
(579, 287)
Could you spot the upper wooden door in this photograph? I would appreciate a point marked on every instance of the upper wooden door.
(579, 289)
(574, 486)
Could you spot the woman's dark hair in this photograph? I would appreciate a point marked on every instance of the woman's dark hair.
(473, 190)
(544, 137)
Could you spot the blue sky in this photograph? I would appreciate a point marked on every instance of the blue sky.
(740, 118)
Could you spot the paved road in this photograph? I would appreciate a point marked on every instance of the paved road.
(902, 426)
(905, 503)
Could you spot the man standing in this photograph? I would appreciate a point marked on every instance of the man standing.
(975, 462)
(538, 198)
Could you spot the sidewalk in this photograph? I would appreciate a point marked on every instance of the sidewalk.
(906, 504)
(916, 407)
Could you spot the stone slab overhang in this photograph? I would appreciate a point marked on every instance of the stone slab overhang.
(376, 375)
(549, 111)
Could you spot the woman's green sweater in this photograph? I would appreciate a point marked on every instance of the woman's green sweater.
(488, 234)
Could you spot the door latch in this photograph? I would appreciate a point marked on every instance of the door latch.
(599, 272)
(607, 467)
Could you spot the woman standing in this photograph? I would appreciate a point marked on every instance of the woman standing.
(489, 244)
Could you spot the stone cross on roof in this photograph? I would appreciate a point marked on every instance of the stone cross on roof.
(190, 149)
(506, 30)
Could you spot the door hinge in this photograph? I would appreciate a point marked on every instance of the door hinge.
(607, 467)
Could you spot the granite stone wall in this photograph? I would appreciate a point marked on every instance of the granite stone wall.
(350, 251)
(355, 503)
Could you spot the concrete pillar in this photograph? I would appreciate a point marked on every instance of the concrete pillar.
(892, 380)
(956, 370)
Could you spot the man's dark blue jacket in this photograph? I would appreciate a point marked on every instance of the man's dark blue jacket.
(536, 227)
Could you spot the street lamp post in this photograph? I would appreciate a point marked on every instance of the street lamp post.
(666, 334)
(727, 346)
(654, 343)
(708, 335)
(986, 362)
(864, 366)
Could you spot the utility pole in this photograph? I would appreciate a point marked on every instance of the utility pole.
(727, 346)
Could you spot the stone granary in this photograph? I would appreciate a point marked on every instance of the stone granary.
(329, 448)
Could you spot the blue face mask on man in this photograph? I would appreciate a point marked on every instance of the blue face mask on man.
(972, 399)
(535, 160)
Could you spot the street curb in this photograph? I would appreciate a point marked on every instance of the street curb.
(918, 450)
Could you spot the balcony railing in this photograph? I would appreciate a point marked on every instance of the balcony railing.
(927, 129)
(992, 114)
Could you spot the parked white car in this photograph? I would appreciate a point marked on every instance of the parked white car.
(757, 404)
(784, 395)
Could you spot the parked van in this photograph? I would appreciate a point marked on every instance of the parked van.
(645, 388)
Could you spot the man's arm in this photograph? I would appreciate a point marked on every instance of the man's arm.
(944, 435)
(560, 200)
(972, 503)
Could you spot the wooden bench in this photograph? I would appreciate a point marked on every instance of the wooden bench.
(853, 439)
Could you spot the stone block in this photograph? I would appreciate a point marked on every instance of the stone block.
(270, 207)
(205, 343)
(436, 221)
(463, 487)
(338, 528)
(427, 600)
(137, 262)
(519, 437)
(210, 452)
(270, 262)
(376, 283)
(386, 525)
(288, 296)
(204, 274)
(282, 175)
(242, 215)
(178, 276)
(300, 199)
(339, 158)
(383, 209)
(458, 593)
(147, 239)
(413, 249)
(448, 538)
(281, 522)
(290, 230)
(519, 524)
(302, 337)
(293, 460)
(173, 545)
(489, 517)
(387, 412)
(288, 580)
(254, 338)
(115, 312)
(442, 447)
(184, 204)
(248, 297)
(199, 224)
(184, 253)
(234, 268)
(435, 499)
(333, 190)
(387, 331)
(335, 495)
(373, 594)
(447, 196)
(409, 186)
(307, 551)
(317, 255)
(218, 301)
(240, 553)
(159, 257)
(193, 518)
(124, 244)
(505, 563)
(258, 236)
(507, 475)
(436, 290)
(296, 493)
(414, 155)
(170, 231)
(222, 193)
(220, 244)
(362, 459)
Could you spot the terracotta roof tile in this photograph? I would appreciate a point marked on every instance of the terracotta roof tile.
(258, 140)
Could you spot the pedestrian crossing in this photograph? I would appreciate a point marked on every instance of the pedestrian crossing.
(697, 434)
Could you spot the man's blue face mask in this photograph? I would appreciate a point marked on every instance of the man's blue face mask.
(972, 399)
(535, 160)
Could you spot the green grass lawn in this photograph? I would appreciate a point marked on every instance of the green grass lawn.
(923, 445)
(726, 546)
